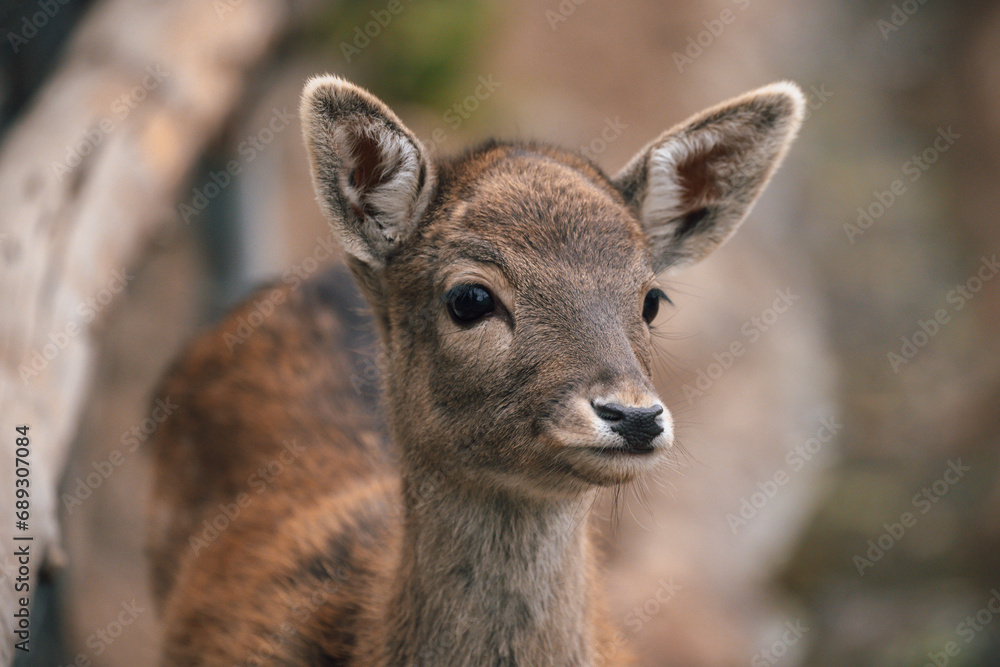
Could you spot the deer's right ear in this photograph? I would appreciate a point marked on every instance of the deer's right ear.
(371, 175)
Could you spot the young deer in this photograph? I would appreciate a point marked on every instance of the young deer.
(512, 290)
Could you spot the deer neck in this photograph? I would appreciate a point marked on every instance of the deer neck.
(489, 575)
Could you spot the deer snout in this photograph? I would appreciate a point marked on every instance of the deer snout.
(637, 425)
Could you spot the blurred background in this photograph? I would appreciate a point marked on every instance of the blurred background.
(839, 501)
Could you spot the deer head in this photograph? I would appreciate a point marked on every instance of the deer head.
(514, 286)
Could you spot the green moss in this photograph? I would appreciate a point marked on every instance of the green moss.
(413, 56)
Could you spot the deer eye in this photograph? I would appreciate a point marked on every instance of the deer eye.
(468, 303)
(651, 304)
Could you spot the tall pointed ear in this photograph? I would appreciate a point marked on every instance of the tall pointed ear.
(694, 184)
(372, 176)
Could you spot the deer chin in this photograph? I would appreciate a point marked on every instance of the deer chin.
(604, 460)
(620, 464)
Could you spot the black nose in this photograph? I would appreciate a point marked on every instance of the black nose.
(637, 425)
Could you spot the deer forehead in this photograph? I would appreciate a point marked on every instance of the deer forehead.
(540, 223)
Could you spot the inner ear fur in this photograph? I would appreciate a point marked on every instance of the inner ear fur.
(371, 175)
(695, 183)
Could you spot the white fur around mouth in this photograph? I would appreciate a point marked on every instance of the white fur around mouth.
(623, 451)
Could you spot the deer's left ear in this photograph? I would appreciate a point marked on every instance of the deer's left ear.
(695, 184)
